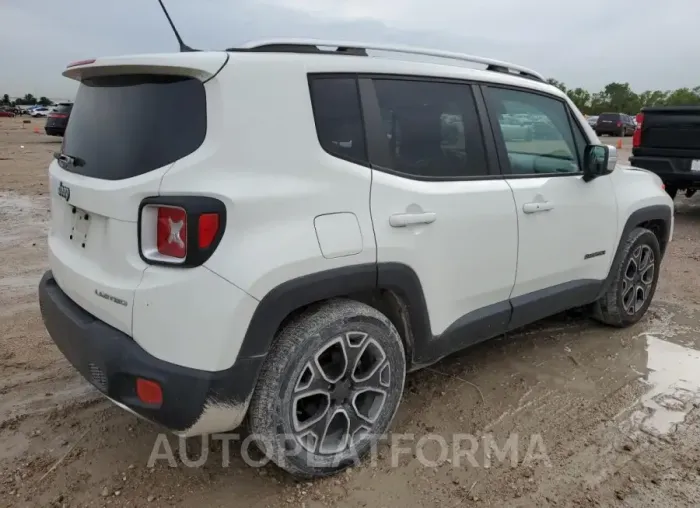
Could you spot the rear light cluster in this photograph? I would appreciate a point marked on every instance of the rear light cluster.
(57, 115)
(637, 136)
(181, 231)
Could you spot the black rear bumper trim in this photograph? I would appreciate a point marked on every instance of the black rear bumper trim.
(111, 361)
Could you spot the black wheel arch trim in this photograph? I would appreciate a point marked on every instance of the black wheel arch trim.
(644, 215)
(291, 295)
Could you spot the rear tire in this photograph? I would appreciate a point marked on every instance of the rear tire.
(634, 284)
(329, 388)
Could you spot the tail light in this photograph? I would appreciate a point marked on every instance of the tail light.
(637, 136)
(57, 115)
(619, 124)
(182, 230)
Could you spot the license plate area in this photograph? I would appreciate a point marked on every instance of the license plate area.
(695, 165)
(80, 227)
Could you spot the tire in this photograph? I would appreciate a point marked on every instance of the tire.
(307, 357)
(618, 307)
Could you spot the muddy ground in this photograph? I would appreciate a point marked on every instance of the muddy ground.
(612, 416)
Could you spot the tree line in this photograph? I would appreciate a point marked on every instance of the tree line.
(620, 98)
(614, 98)
(27, 100)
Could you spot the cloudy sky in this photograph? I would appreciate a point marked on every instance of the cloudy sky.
(651, 44)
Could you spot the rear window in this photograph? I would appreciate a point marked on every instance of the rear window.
(124, 126)
(64, 108)
(609, 116)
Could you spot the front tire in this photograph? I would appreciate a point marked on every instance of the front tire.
(329, 388)
(634, 283)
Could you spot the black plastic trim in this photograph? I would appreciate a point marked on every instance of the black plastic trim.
(471, 329)
(296, 293)
(540, 304)
(93, 347)
(477, 326)
(655, 212)
(194, 206)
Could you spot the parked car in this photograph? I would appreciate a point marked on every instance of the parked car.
(615, 124)
(58, 120)
(667, 142)
(41, 111)
(515, 129)
(592, 120)
(7, 112)
(292, 287)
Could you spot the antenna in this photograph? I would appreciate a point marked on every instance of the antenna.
(183, 47)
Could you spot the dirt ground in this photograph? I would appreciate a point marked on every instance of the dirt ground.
(614, 413)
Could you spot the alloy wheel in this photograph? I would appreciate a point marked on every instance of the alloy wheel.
(638, 279)
(339, 393)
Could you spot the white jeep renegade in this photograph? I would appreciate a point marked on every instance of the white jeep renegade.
(281, 231)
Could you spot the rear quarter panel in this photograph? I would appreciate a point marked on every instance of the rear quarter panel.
(262, 158)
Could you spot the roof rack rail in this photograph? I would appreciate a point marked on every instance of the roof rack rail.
(360, 49)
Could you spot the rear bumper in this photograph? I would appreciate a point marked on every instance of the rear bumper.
(194, 401)
(55, 131)
(672, 170)
(614, 130)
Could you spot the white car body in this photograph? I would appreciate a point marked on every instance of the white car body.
(293, 210)
(40, 112)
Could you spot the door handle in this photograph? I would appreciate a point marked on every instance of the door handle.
(401, 220)
(541, 206)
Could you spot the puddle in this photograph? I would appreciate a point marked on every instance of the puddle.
(673, 376)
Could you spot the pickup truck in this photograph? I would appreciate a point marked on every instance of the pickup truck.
(667, 142)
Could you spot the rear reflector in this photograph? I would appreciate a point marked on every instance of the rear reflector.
(149, 392)
(171, 232)
(208, 227)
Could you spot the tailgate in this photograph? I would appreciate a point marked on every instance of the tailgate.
(671, 130)
(133, 118)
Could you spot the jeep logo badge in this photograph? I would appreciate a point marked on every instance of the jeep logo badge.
(64, 191)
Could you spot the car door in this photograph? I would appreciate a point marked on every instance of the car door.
(438, 209)
(566, 226)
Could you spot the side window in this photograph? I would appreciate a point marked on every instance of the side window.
(336, 106)
(545, 143)
(432, 129)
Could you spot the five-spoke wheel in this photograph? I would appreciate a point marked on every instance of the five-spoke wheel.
(329, 388)
(634, 277)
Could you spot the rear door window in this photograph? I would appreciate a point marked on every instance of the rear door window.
(124, 126)
(609, 117)
(432, 129)
(64, 108)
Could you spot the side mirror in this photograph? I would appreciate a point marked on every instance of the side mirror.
(598, 160)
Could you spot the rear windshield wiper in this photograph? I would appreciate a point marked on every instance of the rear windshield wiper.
(68, 159)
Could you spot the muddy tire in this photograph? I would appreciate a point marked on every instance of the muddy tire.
(635, 277)
(329, 388)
